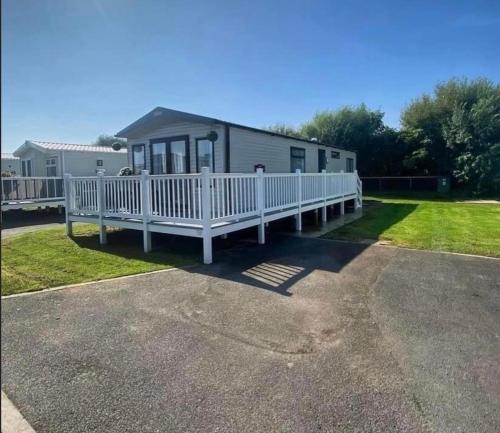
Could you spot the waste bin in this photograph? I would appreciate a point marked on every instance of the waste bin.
(443, 184)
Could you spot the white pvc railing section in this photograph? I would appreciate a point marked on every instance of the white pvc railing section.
(83, 195)
(122, 196)
(233, 195)
(280, 191)
(180, 198)
(16, 189)
(175, 198)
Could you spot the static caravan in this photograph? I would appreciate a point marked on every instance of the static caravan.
(11, 164)
(166, 141)
(44, 159)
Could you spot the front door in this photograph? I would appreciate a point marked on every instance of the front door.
(321, 160)
(170, 155)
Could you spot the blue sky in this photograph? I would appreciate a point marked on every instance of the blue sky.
(73, 69)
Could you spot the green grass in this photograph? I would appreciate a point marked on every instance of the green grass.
(431, 224)
(48, 258)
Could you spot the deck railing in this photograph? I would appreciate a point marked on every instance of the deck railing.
(210, 203)
(33, 189)
(179, 198)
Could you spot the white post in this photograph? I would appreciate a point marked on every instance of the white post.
(101, 200)
(342, 207)
(67, 203)
(206, 217)
(145, 210)
(298, 218)
(359, 191)
(261, 205)
(323, 209)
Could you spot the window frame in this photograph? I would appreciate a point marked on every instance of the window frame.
(24, 168)
(51, 162)
(134, 146)
(292, 148)
(213, 153)
(100, 163)
(351, 160)
(168, 150)
(335, 154)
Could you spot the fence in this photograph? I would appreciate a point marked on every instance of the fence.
(31, 189)
(404, 183)
(211, 203)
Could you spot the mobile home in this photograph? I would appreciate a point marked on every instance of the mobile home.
(45, 159)
(166, 141)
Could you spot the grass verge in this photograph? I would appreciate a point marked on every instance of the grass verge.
(48, 258)
(430, 224)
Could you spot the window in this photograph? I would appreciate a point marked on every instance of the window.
(349, 165)
(51, 167)
(169, 155)
(204, 154)
(100, 162)
(159, 157)
(178, 156)
(26, 167)
(138, 158)
(335, 154)
(297, 159)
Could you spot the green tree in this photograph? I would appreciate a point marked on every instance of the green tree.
(109, 140)
(363, 131)
(283, 129)
(456, 131)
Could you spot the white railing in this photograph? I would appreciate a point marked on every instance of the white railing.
(233, 196)
(179, 198)
(175, 198)
(35, 189)
(280, 191)
(83, 196)
(122, 196)
(206, 201)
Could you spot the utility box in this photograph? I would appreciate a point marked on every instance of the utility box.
(443, 185)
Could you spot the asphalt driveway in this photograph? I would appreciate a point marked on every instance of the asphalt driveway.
(301, 335)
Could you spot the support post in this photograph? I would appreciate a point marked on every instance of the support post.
(298, 218)
(342, 207)
(323, 209)
(146, 234)
(101, 200)
(67, 203)
(358, 200)
(260, 206)
(205, 212)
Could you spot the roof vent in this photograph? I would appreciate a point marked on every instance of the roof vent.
(314, 139)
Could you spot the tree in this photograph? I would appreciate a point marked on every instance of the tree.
(283, 129)
(109, 140)
(456, 132)
(361, 130)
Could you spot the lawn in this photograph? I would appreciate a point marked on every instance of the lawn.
(431, 224)
(48, 258)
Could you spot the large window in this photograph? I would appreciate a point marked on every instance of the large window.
(178, 163)
(159, 157)
(26, 167)
(204, 154)
(297, 159)
(138, 158)
(349, 165)
(169, 155)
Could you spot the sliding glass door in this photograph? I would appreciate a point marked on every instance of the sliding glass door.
(170, 155)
